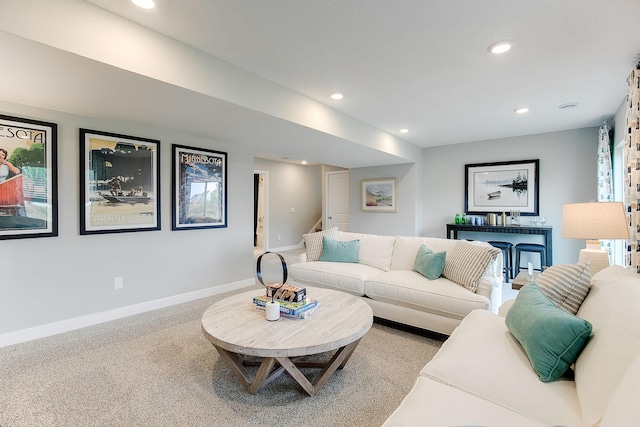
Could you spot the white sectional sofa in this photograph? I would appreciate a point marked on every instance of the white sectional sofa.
(482, 376)
(383, 277)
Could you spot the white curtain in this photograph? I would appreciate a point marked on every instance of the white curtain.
(605, 178)
(632, 159)
(605, 186)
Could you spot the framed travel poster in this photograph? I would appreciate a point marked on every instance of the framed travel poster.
(119, 183)
(502, 187)
(379, 195)
(28, 178)
(199, 188)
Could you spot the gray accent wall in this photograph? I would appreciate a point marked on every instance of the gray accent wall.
(291, 186)
(55, 279)
(567, 175)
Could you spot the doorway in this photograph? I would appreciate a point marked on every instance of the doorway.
(260, 211)
(337, 202)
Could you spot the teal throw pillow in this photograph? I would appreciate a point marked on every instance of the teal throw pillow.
(429, 264)
(333, 250)
(552, 338)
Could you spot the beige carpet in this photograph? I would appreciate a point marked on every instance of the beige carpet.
(157, 369)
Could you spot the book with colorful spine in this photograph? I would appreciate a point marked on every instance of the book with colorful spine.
(303, 315)
(290, 308)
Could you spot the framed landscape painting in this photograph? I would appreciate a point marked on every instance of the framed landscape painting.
(379, 195)
(502, 187)
(28, 178)
(199, 188)
(119, 183)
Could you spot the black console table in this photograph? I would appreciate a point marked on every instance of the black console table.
(547, 232)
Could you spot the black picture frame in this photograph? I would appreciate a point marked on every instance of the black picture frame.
(199, 188)
(28, 178)
(119, 183)
(502, 187)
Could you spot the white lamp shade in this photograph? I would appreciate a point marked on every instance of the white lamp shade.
(594, 220)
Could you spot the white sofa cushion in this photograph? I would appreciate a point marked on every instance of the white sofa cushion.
(466, 264)
(406, 249)
(431, 403)
(375, 251)
(481, 357)
(347, 277)
(623, 409)
(615, 342)
(411, 289)
(313, 242)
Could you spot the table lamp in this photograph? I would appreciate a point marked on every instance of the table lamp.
(593, 221)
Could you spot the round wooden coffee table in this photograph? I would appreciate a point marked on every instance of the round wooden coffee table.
(237, 330)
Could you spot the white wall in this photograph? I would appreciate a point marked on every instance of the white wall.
(291, 186)
(53, 279)
(567, 175)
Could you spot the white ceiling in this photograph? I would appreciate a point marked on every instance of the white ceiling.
(416, 64)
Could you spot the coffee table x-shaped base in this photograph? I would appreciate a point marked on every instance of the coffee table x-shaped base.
(266, 372)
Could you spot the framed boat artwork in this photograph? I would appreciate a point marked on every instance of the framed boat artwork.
(199, 188)
(28, 178)
(502, 187)
(119, 183)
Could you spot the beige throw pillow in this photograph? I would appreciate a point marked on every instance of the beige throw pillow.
(313, 242)
(466, 264)
(566, 285)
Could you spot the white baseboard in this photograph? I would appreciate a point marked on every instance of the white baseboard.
(55, 328)
(287, 248)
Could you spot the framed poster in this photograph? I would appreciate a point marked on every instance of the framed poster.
(119, 183)
(199, 188)
(379, 195)
(502, 187)
(28, 178)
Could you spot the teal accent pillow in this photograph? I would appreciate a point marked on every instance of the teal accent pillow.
(552, 338)
(428, 264)
(333, 250)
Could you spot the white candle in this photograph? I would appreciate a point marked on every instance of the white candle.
(272, 310)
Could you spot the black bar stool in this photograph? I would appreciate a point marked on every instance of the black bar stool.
(506, 256)
(530, 247)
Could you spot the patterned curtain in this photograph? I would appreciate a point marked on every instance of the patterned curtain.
(605, 179)
(632, 159)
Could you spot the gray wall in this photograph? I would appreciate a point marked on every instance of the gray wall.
(567, 175)
(46, 280)
(403, 222)
(291, 186)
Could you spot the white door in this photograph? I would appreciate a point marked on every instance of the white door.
(338, 200)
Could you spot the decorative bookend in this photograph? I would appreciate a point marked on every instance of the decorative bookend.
(272, 308)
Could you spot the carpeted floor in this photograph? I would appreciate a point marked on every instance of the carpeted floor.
(157, 369)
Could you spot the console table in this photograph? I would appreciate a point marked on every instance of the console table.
(547, 232)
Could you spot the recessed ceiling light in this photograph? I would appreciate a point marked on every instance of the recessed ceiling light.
(521, 110)
(145, 4)
(499, 47)
(404, 130)
(337, 95)
(304, 162)
(568, 105)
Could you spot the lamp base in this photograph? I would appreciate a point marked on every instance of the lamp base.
(597, 258)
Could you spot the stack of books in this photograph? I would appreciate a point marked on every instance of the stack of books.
(295, 310)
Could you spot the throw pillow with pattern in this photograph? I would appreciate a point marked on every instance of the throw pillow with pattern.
(313, 242)
(566, 285)
(467, 264)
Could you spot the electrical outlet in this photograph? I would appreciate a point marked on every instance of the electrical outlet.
(118, 282)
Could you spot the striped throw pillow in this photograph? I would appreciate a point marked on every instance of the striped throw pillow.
(566, 285)
(313, 242)
(466, 264)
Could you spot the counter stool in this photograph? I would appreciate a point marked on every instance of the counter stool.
(530, 247)
(506, 256)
